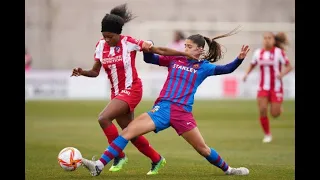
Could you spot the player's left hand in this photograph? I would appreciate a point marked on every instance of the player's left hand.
(279, 76)
(147, 45)
(244, 51)
(190, 56)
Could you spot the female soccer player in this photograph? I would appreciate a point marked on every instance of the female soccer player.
(270, 59)
(116, 53)
(174, 105)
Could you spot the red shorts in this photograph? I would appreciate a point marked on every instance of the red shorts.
(275, 97)
(132, 96)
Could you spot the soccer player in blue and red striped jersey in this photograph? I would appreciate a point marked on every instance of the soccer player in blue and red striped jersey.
(174, 105)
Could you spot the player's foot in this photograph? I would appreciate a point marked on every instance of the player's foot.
(237, 171)
(267, 139)
(118, 163)
(91, 166)
(156, 166)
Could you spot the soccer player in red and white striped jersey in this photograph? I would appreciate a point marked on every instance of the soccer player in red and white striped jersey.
(116, 54)
(270, 58)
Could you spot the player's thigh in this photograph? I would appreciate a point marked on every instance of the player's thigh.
(125, 119)
(263, 100)
(139, 126)
(275, 108)
(276, 103)
(114, 109)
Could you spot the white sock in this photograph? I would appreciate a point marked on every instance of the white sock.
(99, 164)
(228, 170)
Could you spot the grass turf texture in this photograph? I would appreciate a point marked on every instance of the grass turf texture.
(231, 127)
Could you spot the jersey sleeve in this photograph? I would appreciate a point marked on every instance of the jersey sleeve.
(255, 56)
(209, 69)
(98, 52)
(134, 44)
(283, 58)
(165, 60)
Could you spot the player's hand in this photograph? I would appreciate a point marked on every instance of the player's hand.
(244, 51)
(244, 78)
(76, 72)
(279, 76)
(189, 56)
(147, 45)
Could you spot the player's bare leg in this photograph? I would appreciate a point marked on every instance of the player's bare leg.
(116, 108)
(195, 139)
(264, 120)
(276, 109)
(141, 125)
(140, 142)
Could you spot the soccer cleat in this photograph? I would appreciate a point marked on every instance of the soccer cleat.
(267, 139)
(237, 171)
(118, 164)
(91, 166)
(156, 166)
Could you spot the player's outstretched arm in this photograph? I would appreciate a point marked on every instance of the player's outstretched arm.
(148, 47)
(170, 52)
(151, 58)
(229, 68)
(94, 72)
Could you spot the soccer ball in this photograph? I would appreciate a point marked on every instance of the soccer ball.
(69, 158)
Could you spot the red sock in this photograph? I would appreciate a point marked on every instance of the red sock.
(265, 125)
(112, 133)
(142, 144)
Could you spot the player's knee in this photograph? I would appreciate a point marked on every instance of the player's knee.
(275, 113)
(203, 150)
(104, 121)
(127, 133)
(263, 110)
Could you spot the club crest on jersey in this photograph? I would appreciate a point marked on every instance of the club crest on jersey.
(156, 108)
(117, 49)
(196, 66)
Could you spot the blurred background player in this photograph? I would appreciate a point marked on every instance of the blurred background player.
(27, 60)
(270, 59)
(116, 53)
(178, 41)
(174, 105)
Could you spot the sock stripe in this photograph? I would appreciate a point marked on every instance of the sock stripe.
(217, 161)
(225, 167)
(108, 154)
(115, 147)
(222, 164)
(120, 142)
(112, 151)
(104, 162)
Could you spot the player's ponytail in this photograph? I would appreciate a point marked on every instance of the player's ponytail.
(215, 52)
(281, 40)
(114, 21)
(123, 12)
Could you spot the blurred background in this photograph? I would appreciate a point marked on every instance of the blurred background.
(61, 35)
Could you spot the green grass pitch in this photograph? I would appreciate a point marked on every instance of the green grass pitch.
(231, 127)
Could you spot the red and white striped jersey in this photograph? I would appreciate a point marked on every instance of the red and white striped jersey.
(119, 63)
(270, 63)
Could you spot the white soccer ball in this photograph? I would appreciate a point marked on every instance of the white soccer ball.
(69, 158)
